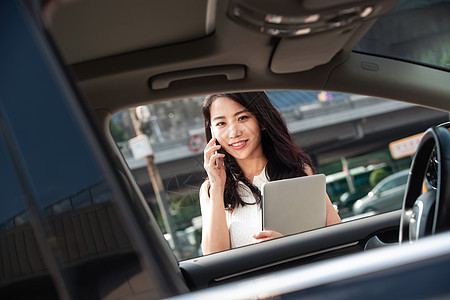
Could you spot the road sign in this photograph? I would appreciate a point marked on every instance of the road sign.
(196, 143)
(140, 146)
(405, 147)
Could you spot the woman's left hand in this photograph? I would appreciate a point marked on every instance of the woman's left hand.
(265, 236)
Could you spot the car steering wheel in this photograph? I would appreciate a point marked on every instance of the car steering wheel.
(428, 213)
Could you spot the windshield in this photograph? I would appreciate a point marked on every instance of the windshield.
(416, 31)
(347, 136)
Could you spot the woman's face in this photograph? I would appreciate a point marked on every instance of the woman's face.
(236, 129)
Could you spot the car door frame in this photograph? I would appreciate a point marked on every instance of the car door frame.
(291, 251)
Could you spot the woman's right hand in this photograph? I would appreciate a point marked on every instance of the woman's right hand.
(215, 234)
(216, 173)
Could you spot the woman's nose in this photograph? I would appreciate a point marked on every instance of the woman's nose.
(234, 131)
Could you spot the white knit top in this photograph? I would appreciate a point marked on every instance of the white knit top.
(245, 221)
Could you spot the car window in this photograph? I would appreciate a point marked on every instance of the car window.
(59, 215)
(401, 180)
(347, 136)
(420, 35)
(73, 204)
(388, 186)
(394, 182)
(19, 251)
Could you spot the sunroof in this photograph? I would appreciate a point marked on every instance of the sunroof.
(416, 31)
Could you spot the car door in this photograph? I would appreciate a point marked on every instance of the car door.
(391, 194)
(386, 194)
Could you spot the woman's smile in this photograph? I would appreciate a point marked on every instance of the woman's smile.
(238, 145)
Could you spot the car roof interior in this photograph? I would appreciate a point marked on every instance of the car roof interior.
(138, 52)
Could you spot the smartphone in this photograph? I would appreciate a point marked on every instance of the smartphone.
(217, 160)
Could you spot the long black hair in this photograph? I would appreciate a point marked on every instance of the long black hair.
(285, 159)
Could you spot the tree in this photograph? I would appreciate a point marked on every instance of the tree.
(377, 175)
(117, 132)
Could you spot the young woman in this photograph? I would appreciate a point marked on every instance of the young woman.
(249, 144)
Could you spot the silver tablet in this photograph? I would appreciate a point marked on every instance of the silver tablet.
(294, 205)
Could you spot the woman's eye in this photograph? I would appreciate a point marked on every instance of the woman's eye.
(220, 123)
(241, 118)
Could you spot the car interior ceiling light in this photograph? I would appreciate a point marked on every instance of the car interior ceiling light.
(279, 25)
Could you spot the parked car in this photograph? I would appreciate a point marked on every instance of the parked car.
(387, 195)
(80, 221)
(360, 178)
(346, 201)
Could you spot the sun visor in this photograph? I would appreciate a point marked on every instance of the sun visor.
(88, 30)
(301, 54)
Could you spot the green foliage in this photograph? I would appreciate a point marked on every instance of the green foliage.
(158, 216)
(117, 132)
(445, 60)
(377, 175)
(184, 208)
